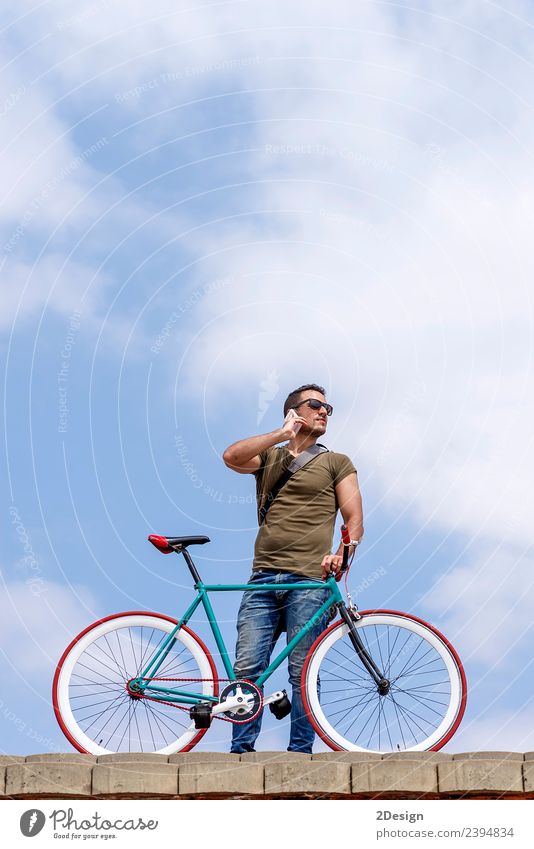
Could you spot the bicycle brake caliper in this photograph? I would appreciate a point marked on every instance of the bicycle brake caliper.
(353, 608)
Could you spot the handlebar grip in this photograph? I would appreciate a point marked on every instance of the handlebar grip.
(345, 535)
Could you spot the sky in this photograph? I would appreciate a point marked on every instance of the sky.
(205, 205)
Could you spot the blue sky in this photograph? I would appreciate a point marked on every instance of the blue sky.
(205, 207)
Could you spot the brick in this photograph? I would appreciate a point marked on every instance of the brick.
(203, 757)
(274, 757)
(346, 757)
(395, 775)
(133, 757)
(417, 756)
(62, 757)
(2, 781)
(478, 775)
(32, 779)
(529, 756)
(12, 759)
(489, 756)
(528, 776)
(220, 778)
(317, 777)
(146, 778)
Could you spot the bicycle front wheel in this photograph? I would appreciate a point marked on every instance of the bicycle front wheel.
(427, 695)
(91, 700)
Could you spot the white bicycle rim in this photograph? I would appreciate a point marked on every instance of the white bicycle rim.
(453, 672)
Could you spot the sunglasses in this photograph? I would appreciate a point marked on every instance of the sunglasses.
(315, 404)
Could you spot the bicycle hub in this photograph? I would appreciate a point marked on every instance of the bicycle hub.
(133, 689)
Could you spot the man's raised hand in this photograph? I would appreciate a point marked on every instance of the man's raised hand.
(291, 426)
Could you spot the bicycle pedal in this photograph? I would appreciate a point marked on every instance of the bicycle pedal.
(201, 715)
(282, 707)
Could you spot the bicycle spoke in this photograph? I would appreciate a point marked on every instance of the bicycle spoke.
(156, 722)
(119, 700)
(163, 718)
(94, 671)
(423, 698)
(390, 650)
(416, 649)
(412, 713)
(376, 707)
(379, 650)
(399, 724)
(416, 670)
(121, 719)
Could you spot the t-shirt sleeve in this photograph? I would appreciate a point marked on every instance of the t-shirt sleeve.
(341, 467)
(263, 459)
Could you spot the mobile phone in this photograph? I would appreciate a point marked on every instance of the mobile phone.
(292, 414)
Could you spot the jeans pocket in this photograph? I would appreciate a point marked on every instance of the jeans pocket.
(260, 578)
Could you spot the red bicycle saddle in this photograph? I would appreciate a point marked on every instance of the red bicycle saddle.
(168, 544)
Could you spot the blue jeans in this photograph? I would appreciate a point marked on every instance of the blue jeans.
(262, 617)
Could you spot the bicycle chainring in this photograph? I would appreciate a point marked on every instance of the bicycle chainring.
(250, 708)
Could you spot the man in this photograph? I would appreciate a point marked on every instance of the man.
(293, 544)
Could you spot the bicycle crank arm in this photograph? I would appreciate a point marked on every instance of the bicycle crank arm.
(239, 700)
(275, 697)
(232, 703)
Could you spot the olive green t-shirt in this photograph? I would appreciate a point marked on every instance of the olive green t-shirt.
(299, 526)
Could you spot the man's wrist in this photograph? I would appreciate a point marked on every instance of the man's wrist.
(354, 543)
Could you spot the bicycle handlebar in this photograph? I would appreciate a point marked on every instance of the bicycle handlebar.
(345, 536)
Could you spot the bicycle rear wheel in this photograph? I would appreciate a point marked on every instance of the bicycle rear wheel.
(92, 704)
(427, 696)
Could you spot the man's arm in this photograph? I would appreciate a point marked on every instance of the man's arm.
(243, 456)
(350, 503)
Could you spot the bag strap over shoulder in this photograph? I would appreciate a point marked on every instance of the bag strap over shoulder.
(298, 463)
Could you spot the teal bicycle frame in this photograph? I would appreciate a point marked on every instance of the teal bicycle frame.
(142, 684)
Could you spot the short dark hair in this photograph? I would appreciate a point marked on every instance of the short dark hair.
(294, 396)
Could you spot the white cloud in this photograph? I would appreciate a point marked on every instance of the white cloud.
(37, 622)
(486, 600)
(43, 172)
(53, 283)
(385, 249)
(495, 731)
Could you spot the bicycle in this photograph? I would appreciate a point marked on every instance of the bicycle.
(373, 681)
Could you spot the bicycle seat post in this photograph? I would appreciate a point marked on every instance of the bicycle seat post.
(190, 565)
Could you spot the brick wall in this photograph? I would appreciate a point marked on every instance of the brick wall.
(270, 775)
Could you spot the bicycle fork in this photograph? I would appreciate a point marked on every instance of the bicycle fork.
(348, 616)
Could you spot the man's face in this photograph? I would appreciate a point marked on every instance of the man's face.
(316, 420)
